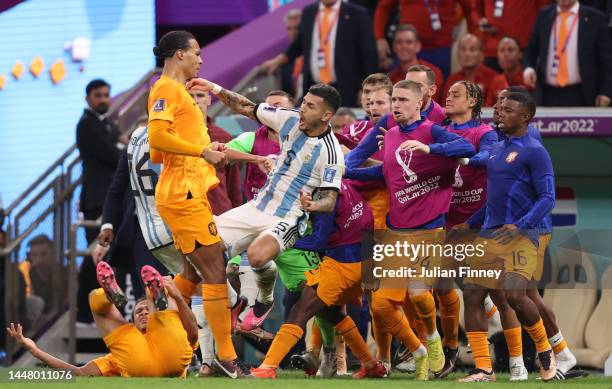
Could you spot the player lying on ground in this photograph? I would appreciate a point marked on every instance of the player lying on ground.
(159, 343)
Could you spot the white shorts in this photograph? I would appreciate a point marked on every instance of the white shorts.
(170, 257)
(240, 226)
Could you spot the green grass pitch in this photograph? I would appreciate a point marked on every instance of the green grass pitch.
(293, 379)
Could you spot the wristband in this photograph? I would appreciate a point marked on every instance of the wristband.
(216, 89)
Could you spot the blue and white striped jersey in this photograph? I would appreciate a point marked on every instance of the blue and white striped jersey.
(305, 163)
(143, 179)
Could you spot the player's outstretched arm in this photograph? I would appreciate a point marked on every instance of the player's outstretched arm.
(89, 369)
(233, 100)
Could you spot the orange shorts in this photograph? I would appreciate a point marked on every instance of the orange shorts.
(379, 202)
(190, 221)
(162, 352)
(544, 240)
(337, 283)
(518, 256)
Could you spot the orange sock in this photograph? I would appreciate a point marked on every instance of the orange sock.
(514, 341)
(186, 287)
(284, 340)
(415, 323)
(354, 340)
(425, 306)
(316, 341)
(98, 302)
(383, 340)
(217, 310)
(480, 350)
(537, 332)
(489, 314)
(449, 318)
(395, 321)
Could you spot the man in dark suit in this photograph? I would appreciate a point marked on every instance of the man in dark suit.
(121, 228)
(97, 141)
(342, 53)
(569, 56)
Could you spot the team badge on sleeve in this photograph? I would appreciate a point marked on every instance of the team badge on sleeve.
(159, 105)
(329, 174)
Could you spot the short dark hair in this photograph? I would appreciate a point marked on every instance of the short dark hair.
(377, 79)
(431, 75)
(329, 94)
(516, 89)
(95, 84)
(515, 40)
(344, 111)
(171, 42)
(279, 92)
(40, 239)
(407, 27)
(135, 304)
(410, 85)
(525, 100)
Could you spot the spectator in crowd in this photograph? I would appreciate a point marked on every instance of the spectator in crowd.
(509, 56)
(569, 56)
(338, 46)
(291, 71)
(228, 193)
(470, 57)
(343, 117)
(406, 45)
(44, 279)
(19, 300)
(499, 18)
(433, 19)
(97, 140)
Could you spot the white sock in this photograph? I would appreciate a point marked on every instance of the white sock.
(248, 284)
(232, 296)
(419, 352)
(565, 354)
(514, 361)
(555, 339)
(488, 304)
(265, 277)
(433, 336)
(205, 337)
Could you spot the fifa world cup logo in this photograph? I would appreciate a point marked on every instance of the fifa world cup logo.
(403, 159)
(458, 179)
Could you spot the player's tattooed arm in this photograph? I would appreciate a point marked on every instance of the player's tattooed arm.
(325, 202)
(237, 103)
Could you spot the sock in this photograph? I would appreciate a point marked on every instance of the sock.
(217, 310)
(480, 350)
(514, 361)
(287, 336)
(316, 340)
(248, 284)
(354, 341)
(383, 340)
(207, 343)
(265, 277)
(186, 287)
(98, 302)
(514, 341)
(425, 306)
(557, 342)
(413, 318)
(449, 318)
(232, 296)
(490, 308)
(396, 322)
(537, 332)
(328, 332)
(419, 351)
